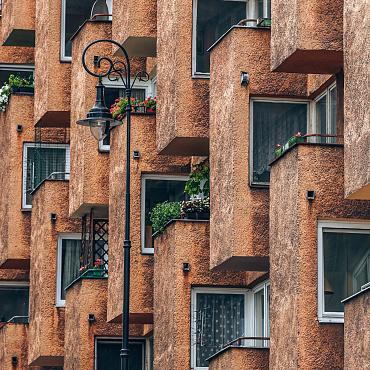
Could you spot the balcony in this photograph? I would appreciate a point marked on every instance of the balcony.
(356, 330)
(307, 37)
(18, 23)
(306, 191)
(15, 225)
(134, 25)
(183, 101)
(240, 213)
(185, 242)
(50, 224)
(356, 113)
(13, 345)
(147, 163)
(52, 98)
(240, 357)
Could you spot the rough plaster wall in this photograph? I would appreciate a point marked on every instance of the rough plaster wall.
(14, 224)
(357, 332)
(241, 358)
(15, 54)
(184, 241)
(182, 101)
(13, 342)
(134, 18)
(53, 78)
(236, 208)
(46, 336)
(17, 14)
(356, 96)
(143, 140)
(293, 254)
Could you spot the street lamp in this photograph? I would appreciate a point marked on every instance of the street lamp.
(100, 121)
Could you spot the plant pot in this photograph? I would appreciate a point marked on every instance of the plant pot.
(197, 215)
(14, 89)
(150, 110)
(26, 90)
(295, 139)
(278, 152)
(97, 273)
(140, 109)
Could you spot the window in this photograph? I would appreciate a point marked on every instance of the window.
(272, 122)
(74, 13)
(113, 92)
(156, 189)
(107, 352)
(68, 263)
(325, 108)
(22, 70)
(343, 265)
(39, 162)
(14, 301)
(218, 317)
(211, 19)
(258, 9)
(261, 303)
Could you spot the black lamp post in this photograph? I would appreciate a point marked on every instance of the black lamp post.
(100, 121)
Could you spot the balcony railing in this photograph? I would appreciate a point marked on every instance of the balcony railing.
(239, 340)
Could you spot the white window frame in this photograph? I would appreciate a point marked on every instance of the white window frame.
(119, 85)
(332, 226)
(329, 127)
(24, 174)
(145, 177)
(11, 283)
(269, 100)
(144, 341)
(263, 286)
(18, 68)
(62, 236)
(211, 290)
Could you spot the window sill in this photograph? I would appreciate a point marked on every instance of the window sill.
(331, 320)
(26, 209)
(201, 76)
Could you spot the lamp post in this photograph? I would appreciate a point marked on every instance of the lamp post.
(100, 121)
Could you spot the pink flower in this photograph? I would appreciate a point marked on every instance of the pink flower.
(299, 133)
(116, 100)
(278, 145)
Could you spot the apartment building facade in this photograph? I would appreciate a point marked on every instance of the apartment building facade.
(274, 93)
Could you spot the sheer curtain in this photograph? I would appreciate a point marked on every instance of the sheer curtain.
(71, 249)
(273, 123)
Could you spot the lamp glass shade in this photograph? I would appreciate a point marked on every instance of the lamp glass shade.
(99, 129)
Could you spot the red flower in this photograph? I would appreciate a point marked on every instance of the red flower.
(278, 145)
(155, 97)
(116, 100)
(299, 133)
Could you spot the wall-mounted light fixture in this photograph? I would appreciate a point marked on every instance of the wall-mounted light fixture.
(310, 195)
(14, 360)
(186, 266)
(53, 216)
(136, 154)
(91, 318)
(244, 79)
(19, 128)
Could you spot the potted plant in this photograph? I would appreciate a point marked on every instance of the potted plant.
(14, 83)
(98, 266)
(279, 150)
(197, 209)
(297, 138)
(82, 270)
(4, 96)
(27, 85)
(161, 214)
(118, 109)
(150, 104)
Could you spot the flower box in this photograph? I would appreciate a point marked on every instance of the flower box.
(295, 139)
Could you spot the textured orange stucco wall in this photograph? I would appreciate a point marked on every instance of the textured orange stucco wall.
(142, 140)
(241, 358)
(12, 54)
(134, 18)
(13, 343)
(297, 338)
(356, 97)
(14, 224)
(184, 241)
(307, 36)
(357, 332)
(46, 327)
(239, 213)
(182, 113)
(17, 14)
(53, 78)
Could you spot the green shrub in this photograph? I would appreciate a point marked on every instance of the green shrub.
(163, 213)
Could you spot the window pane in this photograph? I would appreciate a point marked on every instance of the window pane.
(42, 162)
(260, 9)
(14, 301)
(344, 257)
(214, 18)
(219, 320)
(71, 249)
(259, 318)
(5, 74)
(333, 115)
(108, 355)
(321, 118)
(77, 12)
(157, 191)
(273, 123)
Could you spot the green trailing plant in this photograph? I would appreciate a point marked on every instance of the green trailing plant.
(118, 109)
(162, 213)
(4, 97)
(18, 81)
(198, 183)
(149, 103)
